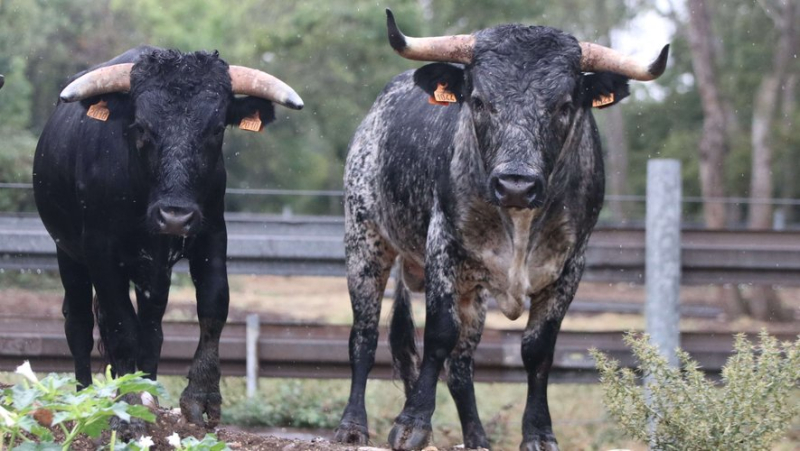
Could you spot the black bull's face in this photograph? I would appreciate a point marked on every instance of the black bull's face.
(181, 106)
(174, 118)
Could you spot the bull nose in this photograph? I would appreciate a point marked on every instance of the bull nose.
(518, 190)
(175, 220)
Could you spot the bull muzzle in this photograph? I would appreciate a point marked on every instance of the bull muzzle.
(175, 220)
(515, 190)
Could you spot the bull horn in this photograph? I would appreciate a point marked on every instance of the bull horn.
(116, 78)
(447, 49)
(2, 81)
(595, 58)
(252, 82)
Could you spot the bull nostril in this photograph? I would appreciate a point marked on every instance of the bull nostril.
(175, 217)
(518, 191)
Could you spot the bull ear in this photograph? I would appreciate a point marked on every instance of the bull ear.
(430, 76)
(246, 107)
(604, 89)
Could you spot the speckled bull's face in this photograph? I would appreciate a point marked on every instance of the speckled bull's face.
(520, 92)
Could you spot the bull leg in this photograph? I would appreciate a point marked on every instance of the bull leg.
(412, 428)
(151, 297)
(538, 345)
(369, 261)
(209, 274)
(116, 317)
(78, 319)
(472, 313)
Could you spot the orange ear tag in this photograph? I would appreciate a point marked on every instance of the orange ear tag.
(603, 101)
(442, 96)
(99, 111)
(252, 123)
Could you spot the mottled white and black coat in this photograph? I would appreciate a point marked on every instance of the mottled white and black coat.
(422, 188)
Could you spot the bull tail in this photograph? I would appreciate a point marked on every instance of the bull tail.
(402, 338)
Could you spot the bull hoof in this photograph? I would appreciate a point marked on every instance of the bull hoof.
(545, 442)
(351, 433)
(409, 433)
(195, 403)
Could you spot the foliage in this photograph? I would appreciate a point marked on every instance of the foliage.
(750, 410)
(208, 443)
(335, 55)
(34, 406)
(293, 404)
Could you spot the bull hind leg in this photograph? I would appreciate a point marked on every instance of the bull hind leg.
(77, 310)
(538, 346)
(402, 340)
(460, 366)
(369, 260)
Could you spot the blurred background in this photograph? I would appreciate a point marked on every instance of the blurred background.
(727, 108)
(733, 64)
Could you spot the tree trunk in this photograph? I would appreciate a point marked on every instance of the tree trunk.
(617, 162)
(765, 304)
(713, 144)
(617, 168)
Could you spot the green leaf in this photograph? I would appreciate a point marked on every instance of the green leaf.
(143, 412)
(95, 428)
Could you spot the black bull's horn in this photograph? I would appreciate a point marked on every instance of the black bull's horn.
(244, 81)
(2, 81)
(459, 49)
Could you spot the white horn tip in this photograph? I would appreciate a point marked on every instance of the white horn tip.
(293, 101)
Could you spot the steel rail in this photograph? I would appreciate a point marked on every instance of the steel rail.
(307, 245)
(320, 351)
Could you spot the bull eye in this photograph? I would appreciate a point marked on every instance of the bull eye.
(477, 103)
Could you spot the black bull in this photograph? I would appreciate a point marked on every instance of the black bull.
(493, 196)
(126, 196)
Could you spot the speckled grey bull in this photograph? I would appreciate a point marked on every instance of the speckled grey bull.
(494, 196)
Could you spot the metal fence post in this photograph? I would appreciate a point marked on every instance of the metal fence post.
(251, 346)
(663, 255)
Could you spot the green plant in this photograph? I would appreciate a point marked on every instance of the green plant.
(679, 409)
(293, 404)
(37, 406)
(208, 443)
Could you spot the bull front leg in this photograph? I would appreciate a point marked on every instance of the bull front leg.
(412, 428)
(116, 317)
(369, 261)
(151, 284)
(548, 308)
(208, 269)
(460, 367)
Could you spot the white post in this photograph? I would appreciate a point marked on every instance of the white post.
(663, 260)
(251, 344)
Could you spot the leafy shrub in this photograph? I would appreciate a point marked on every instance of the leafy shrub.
(35, 406)
(295, 404)
(681, 410)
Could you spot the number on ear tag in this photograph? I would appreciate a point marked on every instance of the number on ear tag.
(442, 96)
(252, 123)
(603, 100)
(99, 111)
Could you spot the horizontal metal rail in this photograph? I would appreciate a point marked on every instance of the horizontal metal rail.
(311, 245)
(320, 351)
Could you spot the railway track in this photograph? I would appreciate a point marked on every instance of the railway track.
(320, 351)
(313, 246)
